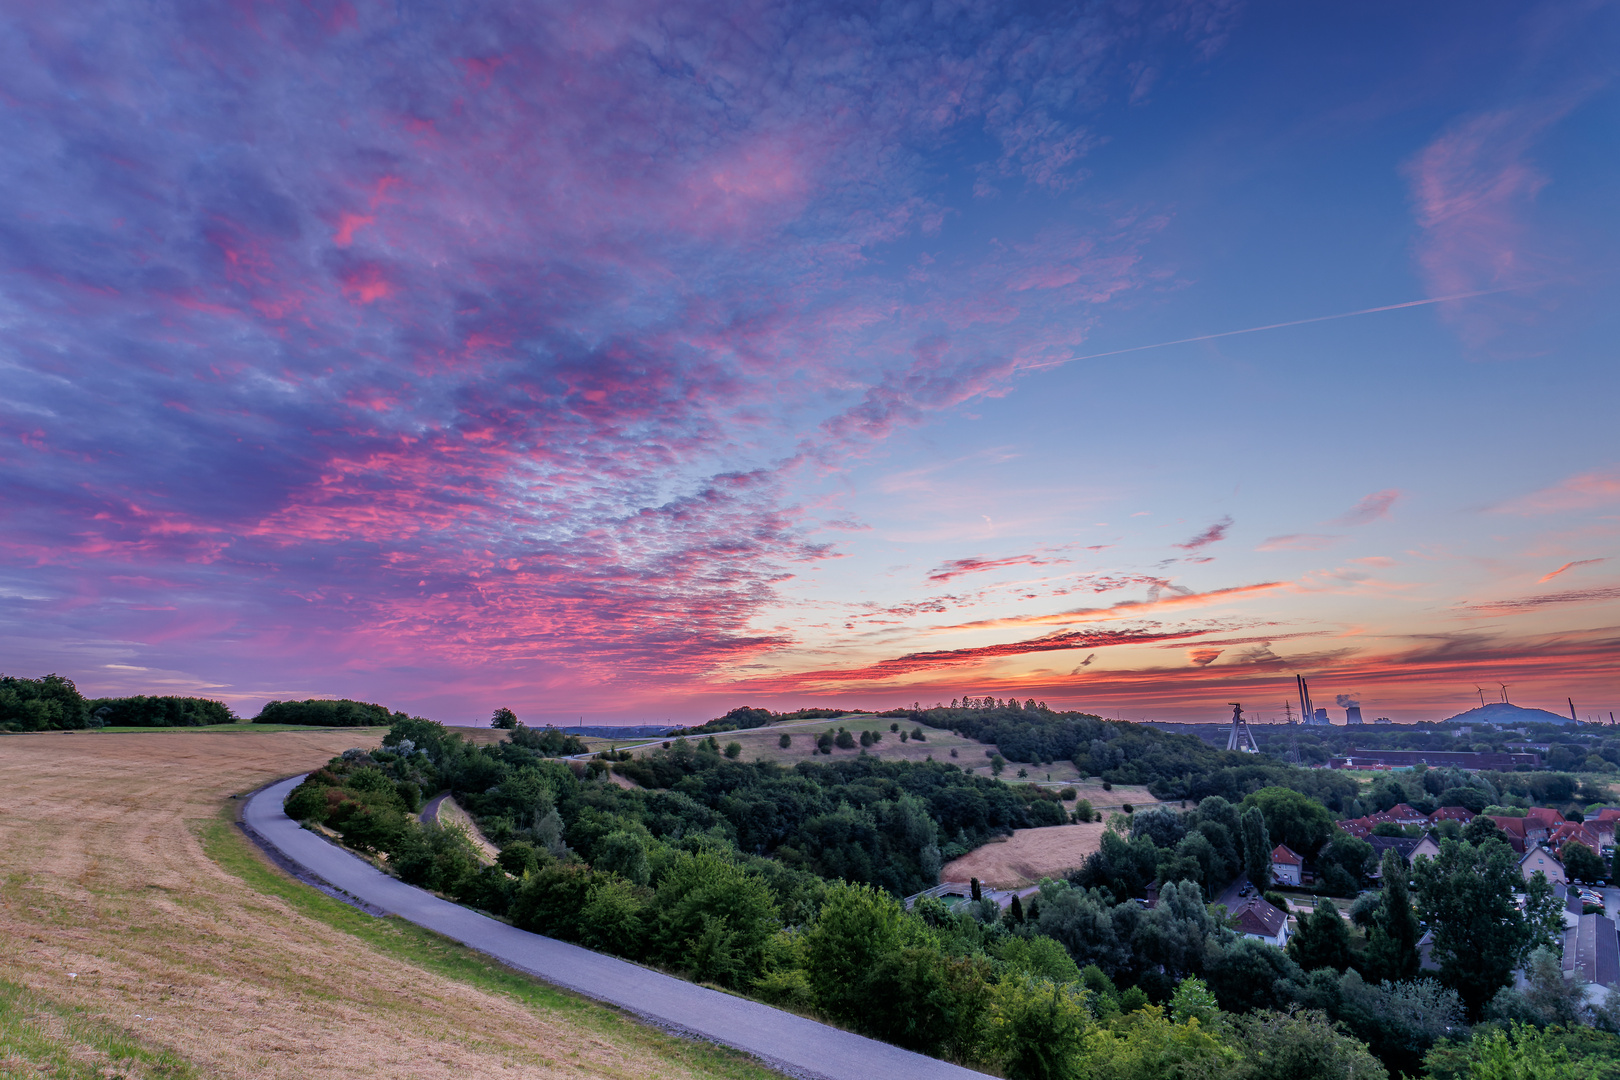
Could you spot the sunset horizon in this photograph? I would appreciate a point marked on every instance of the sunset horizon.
(629, 363)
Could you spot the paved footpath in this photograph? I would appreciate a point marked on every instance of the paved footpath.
(792, 1044)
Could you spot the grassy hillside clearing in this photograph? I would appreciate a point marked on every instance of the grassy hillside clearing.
(120, 865)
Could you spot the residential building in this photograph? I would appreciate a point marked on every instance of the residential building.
(1287, 867)
(1539, 822)
(1514, 829)
(1427, 848)
(1539, 858)
(1260, 920)
(1595, 840)
(1400, 845)
(1592, 947)
(1459, 814)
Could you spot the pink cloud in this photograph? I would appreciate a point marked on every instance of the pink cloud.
(1568, 566)
(1585, 491)
(1374, 506)
(1298, 542)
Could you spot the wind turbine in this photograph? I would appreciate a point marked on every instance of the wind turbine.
(1504, 687)
(1481, 690)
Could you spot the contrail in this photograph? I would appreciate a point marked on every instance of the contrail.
(1280, 325)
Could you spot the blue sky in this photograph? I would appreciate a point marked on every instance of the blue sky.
(637, 361)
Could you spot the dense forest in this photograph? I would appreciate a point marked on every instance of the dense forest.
(782, 884)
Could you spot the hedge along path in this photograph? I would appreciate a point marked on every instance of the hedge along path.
(118, 865)
(800, 1047)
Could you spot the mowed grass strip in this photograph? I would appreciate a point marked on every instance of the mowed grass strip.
(40, 1038)
(118, 866)
(425, 949)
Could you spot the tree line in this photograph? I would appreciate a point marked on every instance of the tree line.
(53, 703)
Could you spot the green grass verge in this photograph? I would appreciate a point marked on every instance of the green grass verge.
(411, 944)
(40, 1038)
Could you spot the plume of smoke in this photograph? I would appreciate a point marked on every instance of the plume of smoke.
(1347, 700)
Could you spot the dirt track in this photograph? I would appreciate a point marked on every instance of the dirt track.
(1028, 856)
(103, 873)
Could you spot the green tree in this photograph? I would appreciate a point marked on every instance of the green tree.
(49, 704)
(1399, 1021)
(1581, 863)
(1037, 1029)
(997, 763)
(612, 918)
(784, 740)
(623, 852)
(858, 927)
(1520, 1052)
(932, 1003)
(713, 919)
(1256, 847)
(733, 750)
(1193, 1000)
(1297, 1045)
(1392, 954)
(1146, 1044)
(1292, 818)
(1323, 940)
(844, 740)
(1480, 935)
(504, 718)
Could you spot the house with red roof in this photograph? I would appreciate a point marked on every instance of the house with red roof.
(1287, 868)
(1360, 828)
(1539, 822)
(1579, 833)
(1514, 829)
(1401, 814)
(1451, 813)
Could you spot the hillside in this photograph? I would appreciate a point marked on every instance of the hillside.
(1503, 713)
(152, 939)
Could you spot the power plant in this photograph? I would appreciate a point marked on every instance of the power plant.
(1312, 716)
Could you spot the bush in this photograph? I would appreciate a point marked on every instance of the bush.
(785, 740)
(844, 741)
(733, 750)
(321, 713)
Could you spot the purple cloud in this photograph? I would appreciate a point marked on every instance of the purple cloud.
(466, 348)
(1213, 534)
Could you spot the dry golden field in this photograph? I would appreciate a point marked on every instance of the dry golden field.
(120, 865)
(1028, 856)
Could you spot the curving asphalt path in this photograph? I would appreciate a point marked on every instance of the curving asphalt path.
(792, 1044)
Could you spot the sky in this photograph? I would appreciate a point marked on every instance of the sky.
(628, 361)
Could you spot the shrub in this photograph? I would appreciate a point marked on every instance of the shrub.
(733, 750)
(845, 741)
(785, 740)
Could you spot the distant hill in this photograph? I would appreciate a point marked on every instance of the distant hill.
(1500, 712)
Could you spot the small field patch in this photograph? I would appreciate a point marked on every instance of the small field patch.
(1028, 856)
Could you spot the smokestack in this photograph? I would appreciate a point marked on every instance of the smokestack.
(1352, 714)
